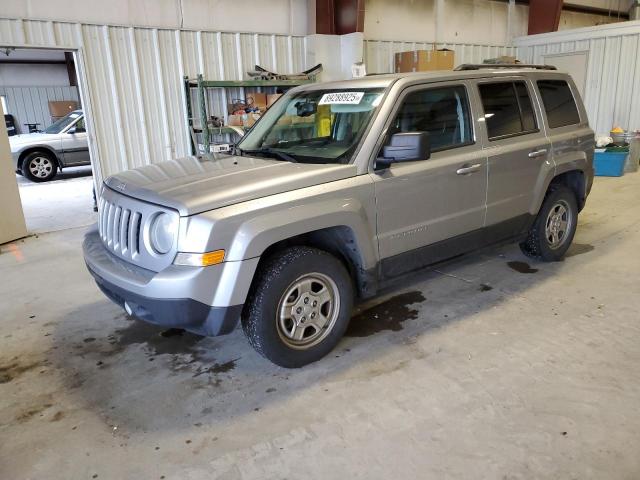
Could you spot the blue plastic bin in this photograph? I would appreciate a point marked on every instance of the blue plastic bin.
(609, 164)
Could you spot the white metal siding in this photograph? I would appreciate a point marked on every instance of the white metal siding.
(380, 54)
(134, 79)
(612, 90)
(31, 104)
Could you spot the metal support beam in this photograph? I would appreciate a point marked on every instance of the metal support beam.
(544, 16)
(71, 69)
(339, 17)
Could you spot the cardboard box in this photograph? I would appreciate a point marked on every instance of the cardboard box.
(251, 119)
(62, 107)
(424, 60)
(257, 99)
(271, 98)
(234, 120)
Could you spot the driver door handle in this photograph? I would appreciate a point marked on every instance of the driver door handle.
(470, 169)
(538, 153)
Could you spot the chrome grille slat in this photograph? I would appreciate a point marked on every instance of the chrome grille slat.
(112, 210)
(121, 223)
(134, 234)
(124, 228)
(116, 227)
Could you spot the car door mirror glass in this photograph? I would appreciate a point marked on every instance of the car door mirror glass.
(405, 147)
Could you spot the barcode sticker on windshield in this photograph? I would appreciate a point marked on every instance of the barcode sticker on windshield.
(341, 98)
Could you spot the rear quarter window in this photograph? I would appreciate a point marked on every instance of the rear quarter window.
(559, 103)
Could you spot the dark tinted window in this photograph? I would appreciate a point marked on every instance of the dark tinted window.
(442, 112)
(507, 109)
(559, 103)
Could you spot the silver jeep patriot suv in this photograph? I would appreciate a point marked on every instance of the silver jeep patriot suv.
(338, 189)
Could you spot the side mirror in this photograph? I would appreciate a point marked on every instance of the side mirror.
(405, 147)
(74, 130)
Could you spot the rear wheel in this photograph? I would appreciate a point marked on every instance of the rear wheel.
(299, 307)
(555, 226)
(39, 167)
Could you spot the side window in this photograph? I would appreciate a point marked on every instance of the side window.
(80, 126)
(558, 103)
(441, 112)
(507, 109)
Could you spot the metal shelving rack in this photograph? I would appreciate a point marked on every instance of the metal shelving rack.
(201, 111)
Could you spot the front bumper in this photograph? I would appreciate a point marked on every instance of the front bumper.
(175, 312)
(205, 300)
(15, 156)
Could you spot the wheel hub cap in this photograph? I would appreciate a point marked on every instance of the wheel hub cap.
(40, 167)
(558, 224)
(308, 311)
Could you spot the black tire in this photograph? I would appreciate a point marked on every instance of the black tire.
(538, 244)
(263, 323)
(39, 166)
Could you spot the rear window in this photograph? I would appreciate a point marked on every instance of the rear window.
(558, 103)
(507, 109)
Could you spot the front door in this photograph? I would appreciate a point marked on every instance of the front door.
(422, 203)
(75, 147)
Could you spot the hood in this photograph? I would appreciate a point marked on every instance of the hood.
(194, 185)
(25, 138)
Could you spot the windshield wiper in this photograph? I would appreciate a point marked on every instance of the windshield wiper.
(274, 153)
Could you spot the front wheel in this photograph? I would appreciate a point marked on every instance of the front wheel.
(39, 167)
(299, 307)
(552, 232)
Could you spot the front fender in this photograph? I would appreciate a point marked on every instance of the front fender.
(259, 233)
(20, 152)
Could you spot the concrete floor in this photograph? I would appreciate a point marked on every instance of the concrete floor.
(492, 367)
(62, 203)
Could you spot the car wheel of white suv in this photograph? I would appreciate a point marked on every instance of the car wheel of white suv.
(39, 167)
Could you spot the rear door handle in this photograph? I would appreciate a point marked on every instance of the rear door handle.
(538, 153)
(470, 169)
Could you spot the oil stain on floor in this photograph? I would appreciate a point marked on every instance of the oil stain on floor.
(388, 315)
(159, 341)
(15, 368)
(521, 267)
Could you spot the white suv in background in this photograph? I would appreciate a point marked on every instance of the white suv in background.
(39, 156)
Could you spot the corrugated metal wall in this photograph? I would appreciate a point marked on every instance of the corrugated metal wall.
(612, 90)
(379, 54)
(134, 79)
(31, 104)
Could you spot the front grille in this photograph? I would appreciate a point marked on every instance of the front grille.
(120, 229)
(122, 223)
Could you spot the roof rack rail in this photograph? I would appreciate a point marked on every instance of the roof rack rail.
(479, 66)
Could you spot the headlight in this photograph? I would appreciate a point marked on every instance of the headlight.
(163, 232)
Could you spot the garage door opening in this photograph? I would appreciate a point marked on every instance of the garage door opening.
(46, 125)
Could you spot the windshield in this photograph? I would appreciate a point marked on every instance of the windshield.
(318, 126)
(63, 123)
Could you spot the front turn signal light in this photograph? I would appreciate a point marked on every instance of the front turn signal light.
(199, 259)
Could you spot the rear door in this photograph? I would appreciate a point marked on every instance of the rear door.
(567, 124)
(517, 148)
(424, 202)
